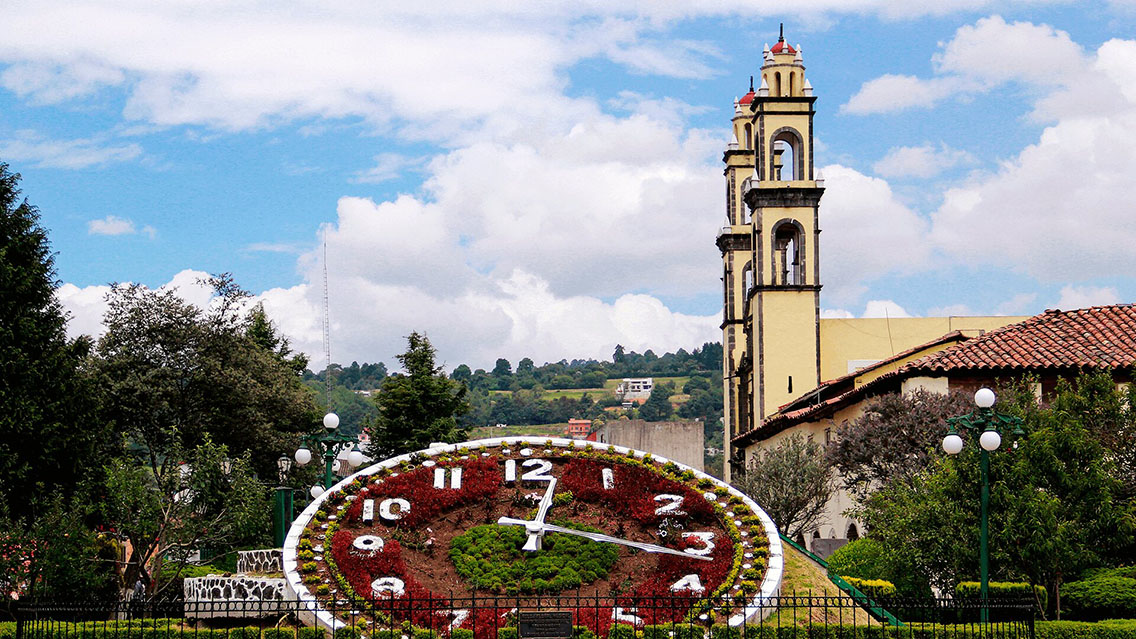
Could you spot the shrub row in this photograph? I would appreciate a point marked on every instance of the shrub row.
(136, 630)
(875, 588)
(1002, 590)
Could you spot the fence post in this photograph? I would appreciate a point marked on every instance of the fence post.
(19, 622)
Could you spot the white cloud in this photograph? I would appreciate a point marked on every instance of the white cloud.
(30, 147)
(1074, 297)
(921, 161)
(111, 225)
(867, 233)
(836, 313)
(388, 166)
(884, 308)
(114, 225)
(889, 93)
(978, 58)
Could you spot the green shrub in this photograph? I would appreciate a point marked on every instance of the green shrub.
(621, 631)
(1003, 590)
(461, 633)
(507, 633)
(874, 588)
(672, 631)
(347, 632)
(1122, 571)
(311, 633)
(1101, 598)
(582, 632)
(279, 633)
(423, 633)
(859, 559)
(1114, 629)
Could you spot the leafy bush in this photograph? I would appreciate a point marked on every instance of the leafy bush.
(1003, 590)
(1122, 571)
(874, 588)
(859, 559)
(1101, 598)
(461, 633)
(490, 558)
(507, 633)
(311, 633)
(621, 631)
(279, 633)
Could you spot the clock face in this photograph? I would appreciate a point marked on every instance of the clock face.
(520, 522)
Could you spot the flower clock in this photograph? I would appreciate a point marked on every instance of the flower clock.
(461, 536)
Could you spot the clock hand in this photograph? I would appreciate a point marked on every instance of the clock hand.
(509, 521)
(536, 527)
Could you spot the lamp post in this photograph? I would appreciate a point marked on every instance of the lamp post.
(282, 503)
(991, 425)
(328, 445)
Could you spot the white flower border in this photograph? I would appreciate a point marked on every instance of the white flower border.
(311, 614)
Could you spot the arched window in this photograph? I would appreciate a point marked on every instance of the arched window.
(747, 277)
(786, 155)
(747, 143)
(853, 532)
(791, 74)
(788, 237)
(777, 83)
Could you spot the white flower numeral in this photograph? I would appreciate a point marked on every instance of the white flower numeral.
(689, 582)
(671, 508)
(707, 539)
(540, 469)
(368, 511)
(456, 617)
(626, 615)
(608, 478)
(388, 586)
(455, 478)
(387, 512)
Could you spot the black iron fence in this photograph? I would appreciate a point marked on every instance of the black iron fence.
(498, 617)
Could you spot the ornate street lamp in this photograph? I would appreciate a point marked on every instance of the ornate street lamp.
(329, 444)
(282, 502)
(991, 425)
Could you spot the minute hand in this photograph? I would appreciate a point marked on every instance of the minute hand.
(509, 521)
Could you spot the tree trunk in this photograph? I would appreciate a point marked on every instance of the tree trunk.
(1057, 597)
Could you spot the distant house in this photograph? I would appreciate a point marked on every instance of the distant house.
(634, 390)
(578, 428)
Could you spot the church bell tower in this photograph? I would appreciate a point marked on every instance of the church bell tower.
(771, 266)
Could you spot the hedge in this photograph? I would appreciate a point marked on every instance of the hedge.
(875, 588)
(1100, 598)
(152, 629)
(1003, 590)
(1113, 629)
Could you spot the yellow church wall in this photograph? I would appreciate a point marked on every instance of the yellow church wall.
(868, 340)
(789, 339)
(834, 523)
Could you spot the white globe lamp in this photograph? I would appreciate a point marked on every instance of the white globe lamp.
(355, 457)
(303, 456)
(990, 440)
(984, 398)
(952, 444)
(316, 491)
(331, 421)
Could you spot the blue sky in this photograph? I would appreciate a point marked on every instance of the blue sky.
(543, 179)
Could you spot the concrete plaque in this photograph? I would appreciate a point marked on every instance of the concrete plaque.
(544, 624)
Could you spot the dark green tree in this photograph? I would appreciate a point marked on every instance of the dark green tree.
(417, 407)
(461, 373)
(47, 432)
(658, 407)
(173, 375)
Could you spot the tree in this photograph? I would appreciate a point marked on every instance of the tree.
(1057, 504)
(894, 439)
(417, 407)
(658, 407)
(461, 373)
(193, 504)
(174, 375)
(47, 433)
(792, 482)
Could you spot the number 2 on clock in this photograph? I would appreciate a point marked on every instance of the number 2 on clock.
(539, 472)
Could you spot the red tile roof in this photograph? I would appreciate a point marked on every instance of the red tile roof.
(1100, 336)
(1089, 337)
(747, 98)
(783, 46)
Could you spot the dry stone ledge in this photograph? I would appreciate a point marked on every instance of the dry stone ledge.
(233, 597)
(265, 561)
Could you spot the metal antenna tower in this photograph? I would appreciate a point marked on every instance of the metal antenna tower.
(326, 331)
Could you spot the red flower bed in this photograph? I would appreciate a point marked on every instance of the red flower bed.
(361, 568)
(480, 479)
(634, 492)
